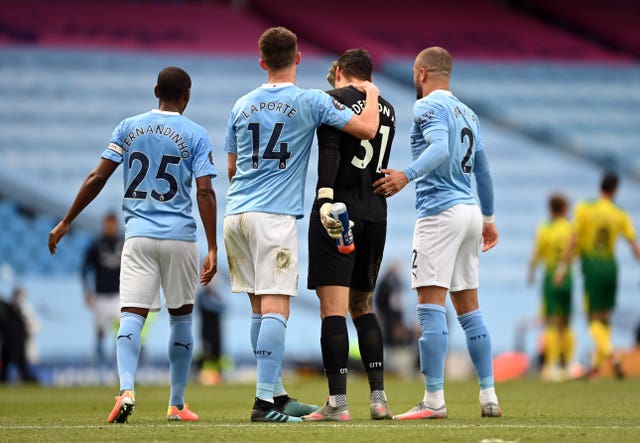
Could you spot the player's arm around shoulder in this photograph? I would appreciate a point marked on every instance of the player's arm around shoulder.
(365, 125)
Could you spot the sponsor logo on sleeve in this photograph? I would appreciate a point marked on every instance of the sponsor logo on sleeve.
(339, 106)
(425, 118)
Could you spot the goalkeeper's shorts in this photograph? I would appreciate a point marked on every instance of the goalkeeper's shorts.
(357, 270)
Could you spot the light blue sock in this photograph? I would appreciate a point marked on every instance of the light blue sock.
(256, 319)
(128, 348)
(269, 351)
(180, 352)
(278, 388)
(479, 346)
(433, 342)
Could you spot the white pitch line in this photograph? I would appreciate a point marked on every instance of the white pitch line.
(420, 425)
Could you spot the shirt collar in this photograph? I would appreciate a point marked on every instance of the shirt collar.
(276, 85)
(443, 91)
(158, 111)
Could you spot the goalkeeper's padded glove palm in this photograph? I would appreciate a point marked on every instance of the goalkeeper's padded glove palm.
(330, 224)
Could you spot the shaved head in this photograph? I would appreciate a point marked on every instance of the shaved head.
(435, 60)
(431, 70)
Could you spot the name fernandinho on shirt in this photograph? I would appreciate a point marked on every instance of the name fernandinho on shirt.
(272, 106)
(165, 131)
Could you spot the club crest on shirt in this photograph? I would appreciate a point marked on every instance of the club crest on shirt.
(339, 106)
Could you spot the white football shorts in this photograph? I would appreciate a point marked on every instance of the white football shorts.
(106, 310)
(445, 249)
(262, 252)
(149, 263)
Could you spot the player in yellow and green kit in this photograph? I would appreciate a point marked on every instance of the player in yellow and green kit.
(551, 242)
(598, 223)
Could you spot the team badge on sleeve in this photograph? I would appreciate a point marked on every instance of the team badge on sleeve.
(211, 158)
(339, 106)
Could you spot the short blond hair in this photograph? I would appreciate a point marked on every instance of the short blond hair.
(278, 48)
(435, 60)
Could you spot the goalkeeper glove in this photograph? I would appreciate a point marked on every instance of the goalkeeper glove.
(330, 224)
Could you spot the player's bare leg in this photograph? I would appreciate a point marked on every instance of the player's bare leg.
(371, 350)
(479, 346)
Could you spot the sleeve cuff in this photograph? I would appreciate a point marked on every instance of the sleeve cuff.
(411, 175)
(325, 194)
(488, 219)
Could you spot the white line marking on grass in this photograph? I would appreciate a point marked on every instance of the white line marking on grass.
(414, 425)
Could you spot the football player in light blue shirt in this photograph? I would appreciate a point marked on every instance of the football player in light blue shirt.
(447, 148)
(270, 133)
(441, 184)
(268, 143)
(162, 152)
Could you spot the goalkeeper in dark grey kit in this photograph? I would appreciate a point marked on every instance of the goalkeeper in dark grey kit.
(347, 168)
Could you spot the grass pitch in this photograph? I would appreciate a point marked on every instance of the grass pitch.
(596, 411)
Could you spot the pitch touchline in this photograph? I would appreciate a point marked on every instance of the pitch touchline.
(422, 424)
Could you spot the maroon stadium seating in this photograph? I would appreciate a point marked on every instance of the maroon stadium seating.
(614, 21)
(178, 27)
(468, 28)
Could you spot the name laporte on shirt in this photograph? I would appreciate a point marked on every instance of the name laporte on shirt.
(166, 131)
(284, 108)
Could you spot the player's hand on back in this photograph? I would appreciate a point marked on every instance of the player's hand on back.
(489, 236)
(209, 267)
(366, 87)
(56, 235)
(391, 184)
(331, 225)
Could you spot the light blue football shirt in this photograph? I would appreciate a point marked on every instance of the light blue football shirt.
(161, 153)
(271, 130)
(449, 183)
